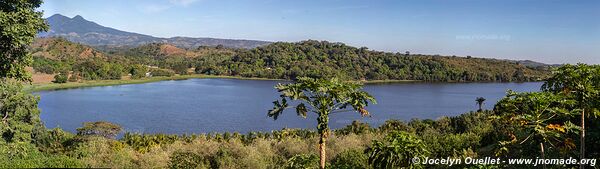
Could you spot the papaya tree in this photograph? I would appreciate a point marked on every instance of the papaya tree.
(536, 118)
(581, 82)
(322, 97)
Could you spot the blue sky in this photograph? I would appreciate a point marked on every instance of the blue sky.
(550, 31)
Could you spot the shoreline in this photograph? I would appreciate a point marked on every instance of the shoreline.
(99, 83)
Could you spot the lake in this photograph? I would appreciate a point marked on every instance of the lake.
(229, 105)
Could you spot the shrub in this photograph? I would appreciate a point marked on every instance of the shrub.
(52, 141)
(99, 152)
(303, 161)
(356, 128)
(162, 72)
(60, 78)
(350, 159)
(138, 71)
(181, 159)
(19, 112)
(396, 150)
(25, 155)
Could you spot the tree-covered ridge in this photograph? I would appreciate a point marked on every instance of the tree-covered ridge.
(62, 49)
(317, 59)
(285, 60)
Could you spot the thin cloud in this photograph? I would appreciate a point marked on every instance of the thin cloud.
(154, 8)
(182, 2)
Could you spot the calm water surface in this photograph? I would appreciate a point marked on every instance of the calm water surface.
(220, 105)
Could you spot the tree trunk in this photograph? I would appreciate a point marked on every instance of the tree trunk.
(543, 154)
(582, 138)
(322, 151)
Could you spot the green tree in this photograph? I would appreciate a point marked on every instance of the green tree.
(479, 102)
(60, 78)
(582, 83)
(20, 23)
(138, 71)
(536, 118)
(19, 113)
(322, 97)
(396, 151)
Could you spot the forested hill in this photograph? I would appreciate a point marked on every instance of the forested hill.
(324, 59)
(282, 60)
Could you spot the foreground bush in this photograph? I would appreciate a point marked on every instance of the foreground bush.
(351, 159)
(25, 155)
(396, 150)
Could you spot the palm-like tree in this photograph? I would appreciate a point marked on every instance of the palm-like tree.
(537, 118)
(582, 83)
(480, 101)
(322, 97)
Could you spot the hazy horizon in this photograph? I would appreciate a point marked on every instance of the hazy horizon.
(553, 32)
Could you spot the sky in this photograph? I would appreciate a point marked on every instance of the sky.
(549, 31)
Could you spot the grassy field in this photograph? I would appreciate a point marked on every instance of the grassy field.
(95, 83)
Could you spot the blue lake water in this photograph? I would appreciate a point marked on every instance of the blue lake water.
(220, 105)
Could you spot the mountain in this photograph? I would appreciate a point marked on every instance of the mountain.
(78, 29)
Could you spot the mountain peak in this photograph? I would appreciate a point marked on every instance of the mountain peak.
(78, 29)
(78, 17)
(58, 16)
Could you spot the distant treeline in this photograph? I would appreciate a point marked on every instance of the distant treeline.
(282, 60)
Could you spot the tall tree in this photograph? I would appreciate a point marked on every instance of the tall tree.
(582, 83)
(479, 102)
(322, 97)
(20, 23)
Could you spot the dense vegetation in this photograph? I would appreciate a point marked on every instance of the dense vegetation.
(532, 125)
(560, 121)
(282, 60)
(321, 59)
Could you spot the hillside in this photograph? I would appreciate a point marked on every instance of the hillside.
(284, 60)
(324, 59)
(78, 29)
(60, 49)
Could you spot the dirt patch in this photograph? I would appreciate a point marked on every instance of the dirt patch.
(40, 78)
(168, 50)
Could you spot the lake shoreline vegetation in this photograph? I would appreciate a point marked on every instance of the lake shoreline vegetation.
(99, 83)
(281, 60)
(558, 122)
(76, 65)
